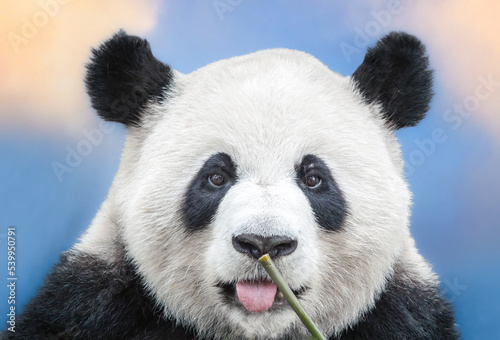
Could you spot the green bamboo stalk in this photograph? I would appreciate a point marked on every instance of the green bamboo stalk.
(291, 298)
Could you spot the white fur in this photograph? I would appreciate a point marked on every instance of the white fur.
(266, 110)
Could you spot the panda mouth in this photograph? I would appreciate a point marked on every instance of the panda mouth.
(256, 296)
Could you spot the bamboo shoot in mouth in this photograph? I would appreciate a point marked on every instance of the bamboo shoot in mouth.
(278, 279)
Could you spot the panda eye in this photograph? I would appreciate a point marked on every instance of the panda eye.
(312, 181)
(216, 179)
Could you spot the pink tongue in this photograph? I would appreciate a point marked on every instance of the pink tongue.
(256, 296)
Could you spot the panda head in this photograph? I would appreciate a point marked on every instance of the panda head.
(270, 152)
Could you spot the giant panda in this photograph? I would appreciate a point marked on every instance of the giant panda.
(270, 152)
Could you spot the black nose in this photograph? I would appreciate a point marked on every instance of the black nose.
(256, 246)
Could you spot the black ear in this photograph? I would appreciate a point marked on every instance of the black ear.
(395, 74)
(123, 76)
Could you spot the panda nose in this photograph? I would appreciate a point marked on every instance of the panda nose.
(256, 246)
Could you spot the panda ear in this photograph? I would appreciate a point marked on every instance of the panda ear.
(123, 76)
(395, 74)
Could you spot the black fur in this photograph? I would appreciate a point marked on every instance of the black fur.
(202, 198)
(327, 201)
(85, 298)
(395, 74)
(406, 310)
(123, 76)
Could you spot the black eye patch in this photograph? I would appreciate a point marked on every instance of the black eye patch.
(203, 197)
(326, 199)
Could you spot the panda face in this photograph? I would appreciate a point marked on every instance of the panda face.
(269, 145)
(266, 153)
